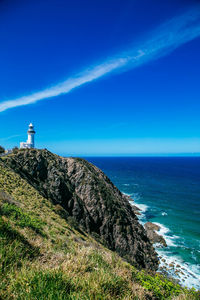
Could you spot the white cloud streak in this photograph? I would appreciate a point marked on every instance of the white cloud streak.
(10, 137)
(161, 42)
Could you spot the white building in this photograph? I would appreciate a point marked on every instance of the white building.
(30, 142)
(8, 151)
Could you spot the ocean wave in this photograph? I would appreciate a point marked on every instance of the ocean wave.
(165, 231)
(127, 194)
(164, 213)
(186, 273)
(142, 207)
(134, 198)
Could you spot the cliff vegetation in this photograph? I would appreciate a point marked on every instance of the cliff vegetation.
(46, 252)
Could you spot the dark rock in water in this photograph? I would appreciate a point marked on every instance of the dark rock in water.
(135, 208)
(88, 196)
(154, 237)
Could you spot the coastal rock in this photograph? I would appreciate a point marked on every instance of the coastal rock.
(87, 195)
(154, 237)
(135, 208)
(152, 226)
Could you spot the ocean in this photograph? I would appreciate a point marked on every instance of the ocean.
(167, 190)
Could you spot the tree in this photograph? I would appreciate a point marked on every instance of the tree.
(2, 150)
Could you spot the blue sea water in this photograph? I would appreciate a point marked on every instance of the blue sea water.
(167, 189)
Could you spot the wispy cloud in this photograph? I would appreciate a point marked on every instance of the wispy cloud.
(160, 42)
(10, 137)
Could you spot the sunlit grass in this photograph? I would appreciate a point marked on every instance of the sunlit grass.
(44, 255)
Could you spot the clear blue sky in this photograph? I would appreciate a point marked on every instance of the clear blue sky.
(149, 108)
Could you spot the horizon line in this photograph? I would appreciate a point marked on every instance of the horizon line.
(139, 155)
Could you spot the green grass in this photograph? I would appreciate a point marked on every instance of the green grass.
(97, 261)
(115, 286)
(161, 287)
(15, 251)
(22, 218)
(14, 248)
(44, 255)
(43, 285)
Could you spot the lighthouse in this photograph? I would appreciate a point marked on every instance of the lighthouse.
(30, 141)
(31, 133)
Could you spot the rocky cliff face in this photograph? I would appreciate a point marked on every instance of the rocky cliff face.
(87, 195)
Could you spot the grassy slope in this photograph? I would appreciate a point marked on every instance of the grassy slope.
(43, 256)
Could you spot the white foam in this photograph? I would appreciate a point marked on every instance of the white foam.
(188, 274)
(142, 207)
(126, 194)
(164, 231)
(126, 184)
(164, 213)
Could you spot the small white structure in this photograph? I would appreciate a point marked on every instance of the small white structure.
(8, 151)
(30, 142)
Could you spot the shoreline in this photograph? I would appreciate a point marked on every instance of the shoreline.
(169, 265)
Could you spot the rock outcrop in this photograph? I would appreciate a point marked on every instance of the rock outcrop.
(134, 207)
(88, 196)
(152, 234)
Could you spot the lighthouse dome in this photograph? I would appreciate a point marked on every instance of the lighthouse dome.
(31, 129)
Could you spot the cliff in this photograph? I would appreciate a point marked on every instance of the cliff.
(46, 254)
(88, 196)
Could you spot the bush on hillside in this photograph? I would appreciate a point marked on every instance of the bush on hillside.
(15, 149)
(2, 150)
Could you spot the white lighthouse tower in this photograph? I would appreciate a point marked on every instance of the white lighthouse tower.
(31, 133)
(30, 141)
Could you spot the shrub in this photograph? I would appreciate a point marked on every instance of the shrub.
(2, 150)
(161, 287)
(15, 149)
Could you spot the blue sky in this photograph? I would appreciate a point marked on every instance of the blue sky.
(123, 76)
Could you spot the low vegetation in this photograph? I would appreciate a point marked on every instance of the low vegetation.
(44, 256)
(2, 150)
(21, 218)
